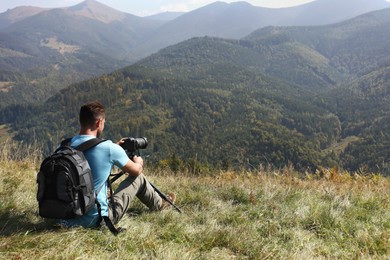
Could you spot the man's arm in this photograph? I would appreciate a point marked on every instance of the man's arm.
(134, 167)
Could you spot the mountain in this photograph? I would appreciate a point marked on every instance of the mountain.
(329, 55)
(223, 103)
(97, 11)
(313, 57)
(45, 50)
(322, 12)
(54, 48)
(238, 19)
(18, 14)
(87, 25)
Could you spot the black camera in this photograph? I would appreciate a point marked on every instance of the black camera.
(133, 144)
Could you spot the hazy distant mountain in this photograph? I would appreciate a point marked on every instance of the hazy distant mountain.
(309, 56)
(60, 46)
(17, 14)
(238, 19)
(129, 37)
(90, 25)
(321, 12)
(97, 11)
(348, 49)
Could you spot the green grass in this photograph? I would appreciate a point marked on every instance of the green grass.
(258, 215)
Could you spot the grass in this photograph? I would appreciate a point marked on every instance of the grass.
(242, 215)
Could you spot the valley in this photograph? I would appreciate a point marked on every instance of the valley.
(310, 95)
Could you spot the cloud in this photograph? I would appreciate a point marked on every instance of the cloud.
(174, 8)
(71, 2)
(182, 6)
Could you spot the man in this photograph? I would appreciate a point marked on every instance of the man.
(101, 159)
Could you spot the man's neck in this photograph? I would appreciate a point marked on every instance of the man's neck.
(88, 132)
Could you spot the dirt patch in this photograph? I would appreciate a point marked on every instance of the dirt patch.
(339, 147)
(61, 47)
(5, 86)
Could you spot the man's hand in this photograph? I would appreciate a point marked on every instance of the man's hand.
(134, 167)
(138, 159)
(121, 141)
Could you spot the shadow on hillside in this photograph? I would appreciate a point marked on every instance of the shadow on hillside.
(13, 224)
(20, 224)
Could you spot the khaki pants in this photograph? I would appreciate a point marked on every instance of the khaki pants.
(125, 193)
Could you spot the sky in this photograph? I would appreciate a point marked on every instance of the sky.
(145, 7)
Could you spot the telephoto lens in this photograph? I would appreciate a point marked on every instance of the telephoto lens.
(141, 143)
(132, 144)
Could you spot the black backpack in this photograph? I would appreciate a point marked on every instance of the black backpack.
(65, 183)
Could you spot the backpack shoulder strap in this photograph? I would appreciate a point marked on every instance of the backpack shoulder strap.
(89, 144)
(84, 146)
(66, 141)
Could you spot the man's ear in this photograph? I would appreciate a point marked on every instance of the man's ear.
(98, 123)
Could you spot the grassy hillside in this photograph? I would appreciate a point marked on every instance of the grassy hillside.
(262, 214)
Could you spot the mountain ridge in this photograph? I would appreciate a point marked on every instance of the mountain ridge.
(123, 41)
(280, 96)
(98, 11)
(238, 19)
(17, 14)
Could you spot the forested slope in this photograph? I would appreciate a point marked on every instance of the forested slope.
(306, 96)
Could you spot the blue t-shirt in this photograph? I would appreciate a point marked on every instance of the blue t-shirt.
(101, 159)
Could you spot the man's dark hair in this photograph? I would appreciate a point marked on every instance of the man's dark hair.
(91, 112)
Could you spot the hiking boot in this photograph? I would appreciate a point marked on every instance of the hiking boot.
(165, 204)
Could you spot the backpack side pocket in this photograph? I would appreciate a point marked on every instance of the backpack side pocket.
(41, 185)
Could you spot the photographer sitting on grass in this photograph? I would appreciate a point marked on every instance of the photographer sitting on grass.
(101, 159)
